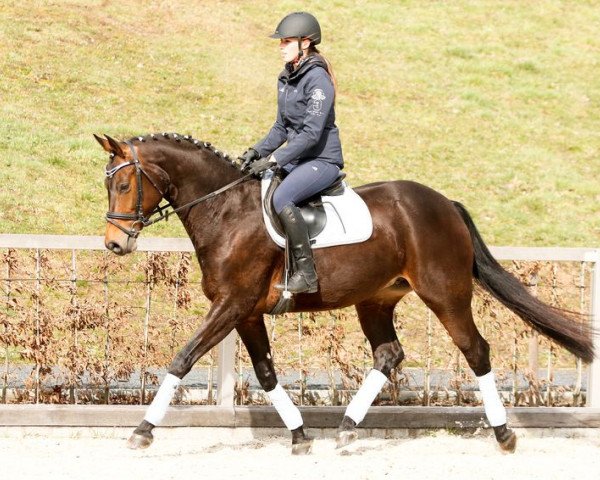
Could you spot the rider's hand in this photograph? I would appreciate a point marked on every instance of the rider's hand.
(248, 157)
(261, 165)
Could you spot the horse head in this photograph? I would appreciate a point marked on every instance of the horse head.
(135, 188)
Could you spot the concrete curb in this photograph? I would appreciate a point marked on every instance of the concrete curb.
(314, 417)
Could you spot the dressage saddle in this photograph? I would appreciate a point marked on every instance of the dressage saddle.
(312, 208)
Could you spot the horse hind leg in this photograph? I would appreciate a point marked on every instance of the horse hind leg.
(457, 318)
(377, 323)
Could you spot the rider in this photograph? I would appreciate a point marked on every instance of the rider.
(312, 157)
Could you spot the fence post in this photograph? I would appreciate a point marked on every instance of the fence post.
(6, 327)
(226, 372)
(38, 334)
(593, 390)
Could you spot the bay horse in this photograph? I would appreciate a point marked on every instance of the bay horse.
(421, 242)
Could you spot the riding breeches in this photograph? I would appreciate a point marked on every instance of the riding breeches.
(304, 181)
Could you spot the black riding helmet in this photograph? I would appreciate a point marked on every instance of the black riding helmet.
(299, 25)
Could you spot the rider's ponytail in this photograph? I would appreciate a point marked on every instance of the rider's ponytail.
(330, 72)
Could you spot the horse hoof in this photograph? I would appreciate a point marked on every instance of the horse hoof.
(346, 438)
(302, 448)
(139, 442)
(510, 444)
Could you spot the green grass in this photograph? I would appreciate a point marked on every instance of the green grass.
(492, 103)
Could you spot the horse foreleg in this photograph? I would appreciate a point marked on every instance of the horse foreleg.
(142, 436)
(376, 321)
(219, 322)
(254, 335)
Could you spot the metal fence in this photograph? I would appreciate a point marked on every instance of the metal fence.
(80, 325)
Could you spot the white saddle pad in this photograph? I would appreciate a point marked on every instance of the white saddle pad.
(348, 219)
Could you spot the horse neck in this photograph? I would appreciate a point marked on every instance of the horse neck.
(194, 174)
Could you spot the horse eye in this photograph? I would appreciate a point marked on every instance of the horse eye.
(123, 187)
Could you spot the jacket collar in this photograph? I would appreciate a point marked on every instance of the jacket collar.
(312, 61)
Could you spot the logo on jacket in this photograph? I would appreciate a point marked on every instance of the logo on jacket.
(317, 102)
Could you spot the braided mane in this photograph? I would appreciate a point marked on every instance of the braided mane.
(176, 137)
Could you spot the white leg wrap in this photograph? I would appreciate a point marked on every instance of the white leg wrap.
(494, 409)
(357, 409)
(288, 412)
(158, 408)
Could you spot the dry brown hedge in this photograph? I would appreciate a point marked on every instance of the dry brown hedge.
(87, 327)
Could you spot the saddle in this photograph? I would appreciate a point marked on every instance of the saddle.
(334, 216)
(312, 209)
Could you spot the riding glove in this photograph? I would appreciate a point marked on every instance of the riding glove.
(248, 157)
(261, 165)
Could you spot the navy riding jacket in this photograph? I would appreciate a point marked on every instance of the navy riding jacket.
(305, 117)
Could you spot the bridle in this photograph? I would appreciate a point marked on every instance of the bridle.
(138, 217)
(163, 214)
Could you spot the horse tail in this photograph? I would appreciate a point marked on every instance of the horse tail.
(558, 324)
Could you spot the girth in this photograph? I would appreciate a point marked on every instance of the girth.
(312, 208)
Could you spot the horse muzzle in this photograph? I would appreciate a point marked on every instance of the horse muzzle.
(119, 243)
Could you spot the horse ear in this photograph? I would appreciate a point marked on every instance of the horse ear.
(103, 142)
(115, 147)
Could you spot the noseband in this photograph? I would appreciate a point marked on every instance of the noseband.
(138, 217)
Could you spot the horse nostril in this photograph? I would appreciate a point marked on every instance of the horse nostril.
(114, 247)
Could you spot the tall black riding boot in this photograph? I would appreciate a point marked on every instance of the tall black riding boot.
(304, 278)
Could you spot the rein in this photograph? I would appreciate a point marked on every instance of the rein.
(161, 211)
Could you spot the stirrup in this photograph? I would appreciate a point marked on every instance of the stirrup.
(293, 287)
